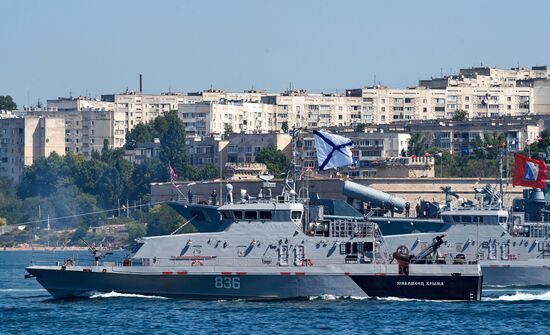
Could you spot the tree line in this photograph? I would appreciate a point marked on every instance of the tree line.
(65, 186)
(480, 158)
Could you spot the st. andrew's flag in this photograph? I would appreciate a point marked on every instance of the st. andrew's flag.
(529, 172)
(332, 150)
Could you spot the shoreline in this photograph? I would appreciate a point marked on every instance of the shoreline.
(42, 248)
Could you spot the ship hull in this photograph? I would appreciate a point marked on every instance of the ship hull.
(241, 285)
(516, 275)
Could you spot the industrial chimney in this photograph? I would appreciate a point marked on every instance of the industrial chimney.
(140, 83)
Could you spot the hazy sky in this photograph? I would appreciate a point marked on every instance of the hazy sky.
(49, 48)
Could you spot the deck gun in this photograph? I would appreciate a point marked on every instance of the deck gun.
(404, 258)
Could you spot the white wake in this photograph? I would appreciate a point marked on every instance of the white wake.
(114, 294)
(336, 297)
(22, 290)
(521, 296)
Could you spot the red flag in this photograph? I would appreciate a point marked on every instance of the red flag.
(173, 175)
(529, 172)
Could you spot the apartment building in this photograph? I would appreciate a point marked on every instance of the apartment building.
(207, 150)
(456, 136)
(384, 105)
(370, 146)
(214, 95)
(89, 123)
(481, 92)
(204, 118)
(306, 110)
(22, 140)
(235, 154)
(142, 108)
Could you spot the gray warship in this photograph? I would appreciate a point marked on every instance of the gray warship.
(511, 244)
(512, 248)
(271, 247)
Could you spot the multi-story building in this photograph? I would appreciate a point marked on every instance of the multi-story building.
(457, 136)
(305, 110)
(214, 95)
(100, 127)
(141, 108)
(235, 154)
(89, 123)
(370, 147)
(143, 151)
(481, 92)
(242, 148)
(22, 140)
(222, 117)
(206, 150)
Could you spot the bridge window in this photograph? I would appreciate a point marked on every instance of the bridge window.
(478, 219)
(296, 215)
(502, 219)
(265, 215)
(238, 215)
(456, 218)
(466, 219)
(250, 215)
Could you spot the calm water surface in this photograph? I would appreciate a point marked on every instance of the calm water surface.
(26, 308)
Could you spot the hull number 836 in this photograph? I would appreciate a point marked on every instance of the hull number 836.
(233, 283)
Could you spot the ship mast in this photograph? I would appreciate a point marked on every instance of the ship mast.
(290, 184)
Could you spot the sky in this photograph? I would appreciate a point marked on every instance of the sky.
(56, 48)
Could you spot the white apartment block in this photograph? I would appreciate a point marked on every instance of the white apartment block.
(100, 127)
(88, 123)
(481, 92)
(139, 107)
(221, 95)
(302, 110)
(206, 118)
(22, 140)
(383, 105)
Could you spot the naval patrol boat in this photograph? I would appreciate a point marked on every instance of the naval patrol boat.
(513, 247)
(271, 247)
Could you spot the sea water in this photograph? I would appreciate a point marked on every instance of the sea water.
(26, 308)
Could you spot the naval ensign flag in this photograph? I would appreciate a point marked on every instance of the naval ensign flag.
(332, 150)
(529, 172)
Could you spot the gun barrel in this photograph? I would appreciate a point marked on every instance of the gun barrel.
(375, 197)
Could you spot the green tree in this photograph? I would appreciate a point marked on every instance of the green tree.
(360, 127)
(172, 144)
(227, 128)
(418, 145)
(7, 103)
(110, 186)
(460, 115)
(539, 146)
(151, 170)
(274, 159)
(42, 177)
(163, 220)
(78, 234)
(207, 172)
(284, 126)
(141, 133)
(135, 230)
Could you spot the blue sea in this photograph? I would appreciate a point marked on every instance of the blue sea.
(26, 308)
